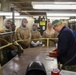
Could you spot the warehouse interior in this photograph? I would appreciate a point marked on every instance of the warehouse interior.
(41, 13)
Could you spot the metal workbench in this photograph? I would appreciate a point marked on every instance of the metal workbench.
(18, 65)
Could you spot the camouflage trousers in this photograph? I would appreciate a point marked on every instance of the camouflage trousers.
(69, 68)
(24, 44)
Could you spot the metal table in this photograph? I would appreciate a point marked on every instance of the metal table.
(64, 72)
(18, 65)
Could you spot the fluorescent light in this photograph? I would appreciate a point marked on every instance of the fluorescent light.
(61, 14)
(57, 17)
(68, 3)
(16, 17)
(54, 5)
(9, 14)
(72, 20)
(46, 3)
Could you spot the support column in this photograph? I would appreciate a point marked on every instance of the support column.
(5, 5)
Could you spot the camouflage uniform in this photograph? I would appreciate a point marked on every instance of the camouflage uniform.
(52, 34)
(35, 35)
(23, 34)
(6, 54)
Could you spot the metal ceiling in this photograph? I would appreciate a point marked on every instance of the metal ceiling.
(25, 7)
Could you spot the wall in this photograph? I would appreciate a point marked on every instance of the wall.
(1, 22)
(30, 22)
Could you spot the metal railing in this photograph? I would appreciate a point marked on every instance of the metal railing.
(16, 42)
(47, 39)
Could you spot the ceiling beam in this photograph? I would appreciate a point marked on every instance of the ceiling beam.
(47, 10)
(24, 1)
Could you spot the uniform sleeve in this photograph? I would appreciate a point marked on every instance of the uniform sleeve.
(18, 35)
(30, 34)
(40, 35)
(44, 34)
(2, 30)
(63, 44)
(55, 34)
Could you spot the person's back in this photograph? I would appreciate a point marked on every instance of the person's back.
(66, 50)
(67, 42)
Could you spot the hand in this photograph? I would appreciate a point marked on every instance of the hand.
(43, 45)
(32, 42)
(56, 49)
(53, 54)
(37, 43)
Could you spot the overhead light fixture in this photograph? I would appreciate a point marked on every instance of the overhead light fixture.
(72, 20)
(57, 17)
(8, 13)
(61, 14)
(54, 5)
(68, 3)
(16, 17)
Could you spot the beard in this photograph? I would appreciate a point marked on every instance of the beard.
(24, 26)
